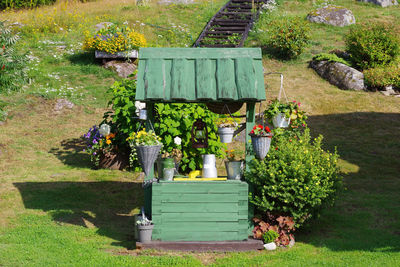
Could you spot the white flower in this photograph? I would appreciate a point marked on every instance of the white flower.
(104, 129)
(177, 141)
(139, 105)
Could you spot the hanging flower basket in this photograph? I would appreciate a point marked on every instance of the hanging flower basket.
(226, 134)
(147, 155)
(261, 145)
(261, 140)
(280, 121)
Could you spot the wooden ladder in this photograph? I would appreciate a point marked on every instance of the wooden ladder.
(231, 25)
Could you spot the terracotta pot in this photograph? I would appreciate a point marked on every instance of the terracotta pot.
(114, 160)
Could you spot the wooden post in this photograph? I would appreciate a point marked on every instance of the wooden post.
(250, 122)
(148, 189)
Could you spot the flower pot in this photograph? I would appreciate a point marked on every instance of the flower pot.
(168, 174)
(114, 160)
(270, 246)
(145, 232)
(261, 145)
(143, 114)
(226, 134)
(234, 169)
(147, 155)
(280, 121)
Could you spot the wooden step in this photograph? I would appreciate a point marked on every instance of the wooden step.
(227, 28)
(231, 21)
(218, 45)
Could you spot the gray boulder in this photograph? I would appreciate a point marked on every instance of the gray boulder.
(339, 74)
(382, 3)
(123, 69)
(332, 15)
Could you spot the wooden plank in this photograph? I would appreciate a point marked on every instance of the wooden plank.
(245, 81)
(228, 28)
(198, 207)
(201, 236)
(182, 83)
(202, 226)
(197, 53)
(196, 188)
(205, 69)
(196, 217)
(198, 198)
(154, 69)
(226, 80)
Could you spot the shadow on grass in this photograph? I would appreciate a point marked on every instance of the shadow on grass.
(104, 205)
(71, 153)
(83, 58)
(367, 214)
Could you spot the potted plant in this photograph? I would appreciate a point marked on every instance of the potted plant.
(269, 239)
(114, 41)
(145, 229)
(281, 115)
(147, 146)
(170, 160)
(226, 128)
(261, 140)
(234, 164)
(104, 149)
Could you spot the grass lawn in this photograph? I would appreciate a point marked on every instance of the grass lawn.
(56, 210)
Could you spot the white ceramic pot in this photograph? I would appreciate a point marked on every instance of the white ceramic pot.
(280, 121)
(270, 246)
(209, 167)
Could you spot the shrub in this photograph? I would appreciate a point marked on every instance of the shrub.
(282, 225)
(287, 37)
(12, 65)
(330, 58)
(113, 39)
(14, 4)
(177, 120)
(270, 236)
(383, 76)
(373, 45)
(295, 179)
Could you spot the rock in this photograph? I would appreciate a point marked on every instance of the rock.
(102, 25)
(339, 74)
(62, 104)
(332, 15)
(388, 90)
(176, 2)
(123, 69)
(382, 3)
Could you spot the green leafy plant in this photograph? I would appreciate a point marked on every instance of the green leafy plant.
(290, 109)
(3, 112)
(297, 178)
(270, 236)
(331, 58)
(372, 45)
(177, 120)
(286, 36)
(282, 225)
(13, 72)
(380, 77)
(14, 4)
(260, 130)
(227, 122)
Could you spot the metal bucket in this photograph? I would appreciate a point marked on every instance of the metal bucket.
(226, 134)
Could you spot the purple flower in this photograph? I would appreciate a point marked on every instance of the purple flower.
(94, 141)
(94, 153)
(84, 150)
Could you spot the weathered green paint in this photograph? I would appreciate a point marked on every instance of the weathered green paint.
(250, 122)
(200, 210)
(200, 75)
(147, 190)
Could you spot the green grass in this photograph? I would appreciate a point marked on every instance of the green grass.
(56, 210)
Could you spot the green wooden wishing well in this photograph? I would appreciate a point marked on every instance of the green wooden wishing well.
(200, 210)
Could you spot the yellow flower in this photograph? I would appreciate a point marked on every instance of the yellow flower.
(108, 141)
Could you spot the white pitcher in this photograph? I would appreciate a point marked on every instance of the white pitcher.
(209, 166)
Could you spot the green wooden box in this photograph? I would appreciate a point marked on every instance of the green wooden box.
(200, 210)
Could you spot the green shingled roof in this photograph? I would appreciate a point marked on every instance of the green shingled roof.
(200, 75)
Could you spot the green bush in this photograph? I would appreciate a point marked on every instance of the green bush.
(3, 112)
(14, 4)
(383, 76)
(330, 58)
(12, 65)
(372, 46)
(286, 37)
(176, 120)
(296, 178)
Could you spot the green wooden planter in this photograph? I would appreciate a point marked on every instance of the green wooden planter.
(200, 210)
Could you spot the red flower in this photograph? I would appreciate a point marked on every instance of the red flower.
(2, 68)
(267, 129)
(252, 131)
(276, 148)
(260, 126)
